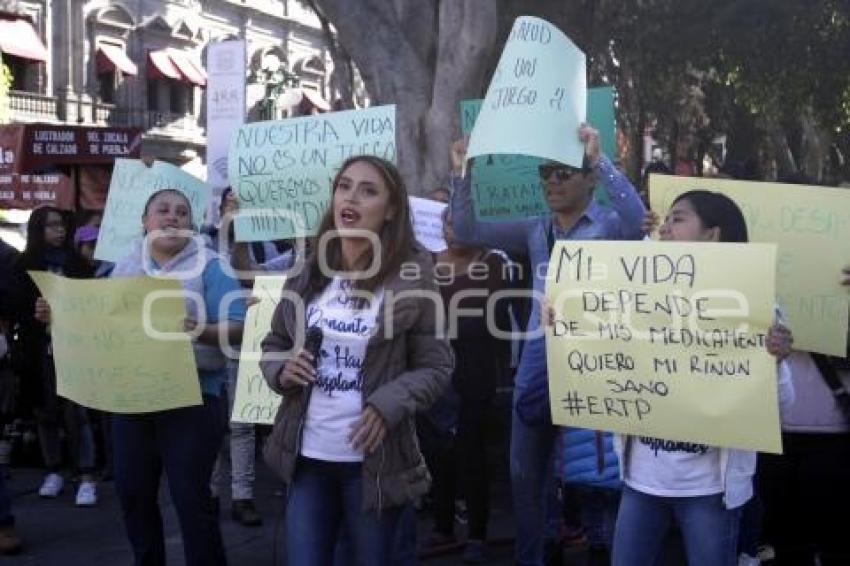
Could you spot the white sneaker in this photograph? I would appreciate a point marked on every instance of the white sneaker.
(745, 559)
(52, 486)
(766, 553)
(87, 494)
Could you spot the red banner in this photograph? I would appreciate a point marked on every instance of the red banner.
(47, 144)
(30, 191)
(38, 161)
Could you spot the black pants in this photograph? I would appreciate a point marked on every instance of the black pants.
(806, 498)
(54, 412)
(184, 443)
(462, 456)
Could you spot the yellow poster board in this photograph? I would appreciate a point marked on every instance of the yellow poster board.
(116, 352)
(254, 402)
(665, 340)
(811, 227)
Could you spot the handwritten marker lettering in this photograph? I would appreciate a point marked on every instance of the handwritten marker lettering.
(671, 344)
(282, 170)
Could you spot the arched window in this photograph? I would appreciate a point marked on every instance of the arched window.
(115, 16)
(313, 66)
(111, 63)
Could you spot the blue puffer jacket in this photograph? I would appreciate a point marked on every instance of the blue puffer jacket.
(586, 457)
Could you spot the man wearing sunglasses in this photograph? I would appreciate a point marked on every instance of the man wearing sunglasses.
(575, 215)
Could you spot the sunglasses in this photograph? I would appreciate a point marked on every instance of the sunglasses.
(562, 172)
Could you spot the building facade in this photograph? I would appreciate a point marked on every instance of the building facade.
(141, 63)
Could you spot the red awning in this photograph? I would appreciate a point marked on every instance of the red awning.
(113, 58)
(316, 99)
(161, 66)
(192, 72)
(19, 38)
(176, 65)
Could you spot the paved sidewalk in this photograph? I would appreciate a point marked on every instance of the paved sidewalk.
(56, 533)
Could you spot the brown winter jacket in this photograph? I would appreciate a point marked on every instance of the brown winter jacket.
(403, 373)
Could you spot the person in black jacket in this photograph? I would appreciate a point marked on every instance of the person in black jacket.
(8, 257)
(9, 541)
(49, 249)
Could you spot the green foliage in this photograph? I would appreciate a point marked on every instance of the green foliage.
(703, 68)
(693, 69)
(782, 56)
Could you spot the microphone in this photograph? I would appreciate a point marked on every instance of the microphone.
(313, 343)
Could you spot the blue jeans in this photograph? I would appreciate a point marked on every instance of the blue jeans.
(404, 544)
(322, 497)
(535, 505)
(51, 414)
(239, 450)
(709, 530)
(185, 442)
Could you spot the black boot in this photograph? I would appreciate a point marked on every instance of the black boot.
(244, 513)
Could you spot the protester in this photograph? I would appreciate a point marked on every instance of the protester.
(805, 488)
(656, 166)
(344, 436)
(252, 255)
(808, 478)
(8, 381)
(93, 218)
(240, 447)
(458, 424)
(10, 543)
(244, 256)
(701, 488)
(516, 277)
(49, 249)
(85, 242)
(183, 441)
(247, 267)
(574, 215)
(585, 462)
(749, 531)
(8, 257)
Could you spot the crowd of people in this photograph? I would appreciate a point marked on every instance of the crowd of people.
(383, 413)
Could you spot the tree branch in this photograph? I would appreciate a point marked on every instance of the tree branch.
(342, 77)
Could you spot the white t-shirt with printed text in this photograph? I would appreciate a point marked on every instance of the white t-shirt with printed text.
(668, 468)
(336, 401)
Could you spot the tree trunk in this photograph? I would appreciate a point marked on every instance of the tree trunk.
(814, 147)
(673, 144)
(467, 38)
(342, 76)
(631, 120)
(423, 56)
(786, 166)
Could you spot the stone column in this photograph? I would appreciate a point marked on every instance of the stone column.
(68, 105)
